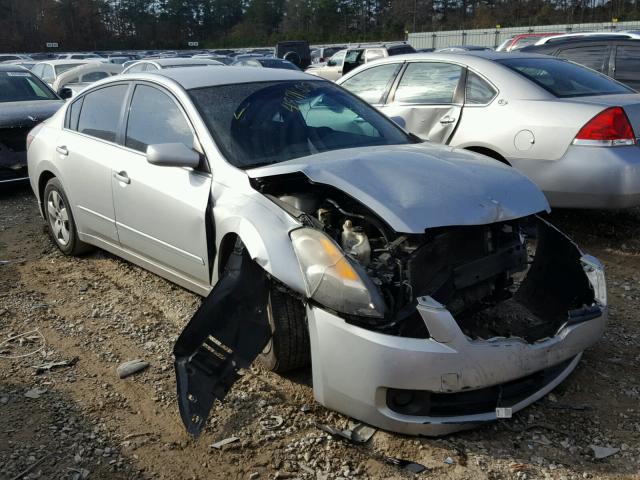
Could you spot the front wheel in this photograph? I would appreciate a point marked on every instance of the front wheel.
(60, 222)
(289, 346)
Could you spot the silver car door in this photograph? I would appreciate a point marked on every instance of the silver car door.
(86, 148)
(161, 210)
(429, 99)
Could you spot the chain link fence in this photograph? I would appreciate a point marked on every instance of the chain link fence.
(493, 37)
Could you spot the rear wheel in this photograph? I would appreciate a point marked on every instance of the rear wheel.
(60, 222)
(289, 346)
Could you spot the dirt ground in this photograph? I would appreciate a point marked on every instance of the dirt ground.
(81, 421)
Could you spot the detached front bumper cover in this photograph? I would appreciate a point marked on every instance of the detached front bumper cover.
(227, 333)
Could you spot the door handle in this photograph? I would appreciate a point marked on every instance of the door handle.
(122, 177)
(62, 150)
(447, 120)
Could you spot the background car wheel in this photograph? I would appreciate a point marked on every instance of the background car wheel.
(60, 220)
(289, 346)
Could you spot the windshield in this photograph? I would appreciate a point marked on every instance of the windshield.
(564, 79)
(270, 122)
(23, 87)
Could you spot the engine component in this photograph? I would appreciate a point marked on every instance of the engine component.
(356, 243)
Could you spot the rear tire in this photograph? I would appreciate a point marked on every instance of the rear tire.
(60, 222)
(289, 346)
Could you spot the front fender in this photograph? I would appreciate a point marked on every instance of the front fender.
(263, 228)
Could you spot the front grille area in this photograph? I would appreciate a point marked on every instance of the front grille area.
(471, 402)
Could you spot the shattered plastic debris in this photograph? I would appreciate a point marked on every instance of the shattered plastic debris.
(271, 422)
(35, 392)
(603, 452)
(51, 365)
(357, 432)
(449, 461)
(132, 366)
(406, 464)
(222, 443)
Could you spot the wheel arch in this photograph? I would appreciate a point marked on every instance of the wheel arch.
(43, 179)
(488, 152)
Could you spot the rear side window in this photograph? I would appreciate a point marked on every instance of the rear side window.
(564, 79)
(372, 83)
(478, 91)
(429, 83)
(74, 114)
(592, 56)
(100, 113)
(94, 76)
(627, 62)
(155, 118)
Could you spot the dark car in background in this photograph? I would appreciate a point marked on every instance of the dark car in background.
(25, 101)
(613, 55)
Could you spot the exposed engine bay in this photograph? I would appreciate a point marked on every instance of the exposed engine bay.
(520, 278)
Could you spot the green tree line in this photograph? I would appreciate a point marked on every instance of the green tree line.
(26, 25)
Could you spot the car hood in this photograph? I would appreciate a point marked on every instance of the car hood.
(25, 114)
(415, 187)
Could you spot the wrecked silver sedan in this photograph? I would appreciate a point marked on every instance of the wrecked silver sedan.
(419, 280)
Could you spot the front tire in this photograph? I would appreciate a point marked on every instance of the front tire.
(289, 347)
(60, 222)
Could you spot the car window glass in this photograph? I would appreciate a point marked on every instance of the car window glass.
(38, 69)
(337, 59)
(100, 113)
(150, 67)
(140, 67)
(429, 83)
(155, 118)
(47, 73)
(592, 56)
(478, 91)
(372, 83)
(371, 55)
(564, 79)
(400, 50)
(627, 62)
(94, 76)
(74, 114)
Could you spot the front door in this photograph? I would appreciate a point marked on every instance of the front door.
(429, 98)
(161, 211)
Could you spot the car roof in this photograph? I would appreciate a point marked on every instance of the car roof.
(470, 56)
(581, 40)
(199, 77)
(68, 61)
(166, 62)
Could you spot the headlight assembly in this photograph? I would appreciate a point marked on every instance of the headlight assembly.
(332, 279)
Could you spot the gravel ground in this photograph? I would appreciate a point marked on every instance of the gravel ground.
(78, 420)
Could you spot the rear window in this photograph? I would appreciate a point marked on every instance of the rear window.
(60, 69)
(401, 50)
(564, 79)
(22, 87)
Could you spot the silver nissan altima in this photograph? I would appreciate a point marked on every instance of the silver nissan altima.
(572, 130)
(418, 279)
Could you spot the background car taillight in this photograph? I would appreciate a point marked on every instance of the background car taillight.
(30, 137)
(609, 128)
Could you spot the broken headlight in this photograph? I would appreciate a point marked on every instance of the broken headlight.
(332, 279)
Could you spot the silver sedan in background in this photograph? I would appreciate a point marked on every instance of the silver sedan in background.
(571, 130)
(418, 279)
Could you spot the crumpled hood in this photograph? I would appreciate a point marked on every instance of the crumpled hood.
(24, 114)
(414, 187)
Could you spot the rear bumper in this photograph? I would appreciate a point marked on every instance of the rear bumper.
(588, 177)
(357, 371)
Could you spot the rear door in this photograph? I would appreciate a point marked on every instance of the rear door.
(161, 211)
(627, 65)
(87, 149)
(429, 98)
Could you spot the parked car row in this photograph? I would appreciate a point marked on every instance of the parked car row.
(419, 280)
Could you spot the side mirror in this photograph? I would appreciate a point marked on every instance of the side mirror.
(66, 93)
(172, 155)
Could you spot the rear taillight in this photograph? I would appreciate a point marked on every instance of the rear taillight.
(609, 128)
